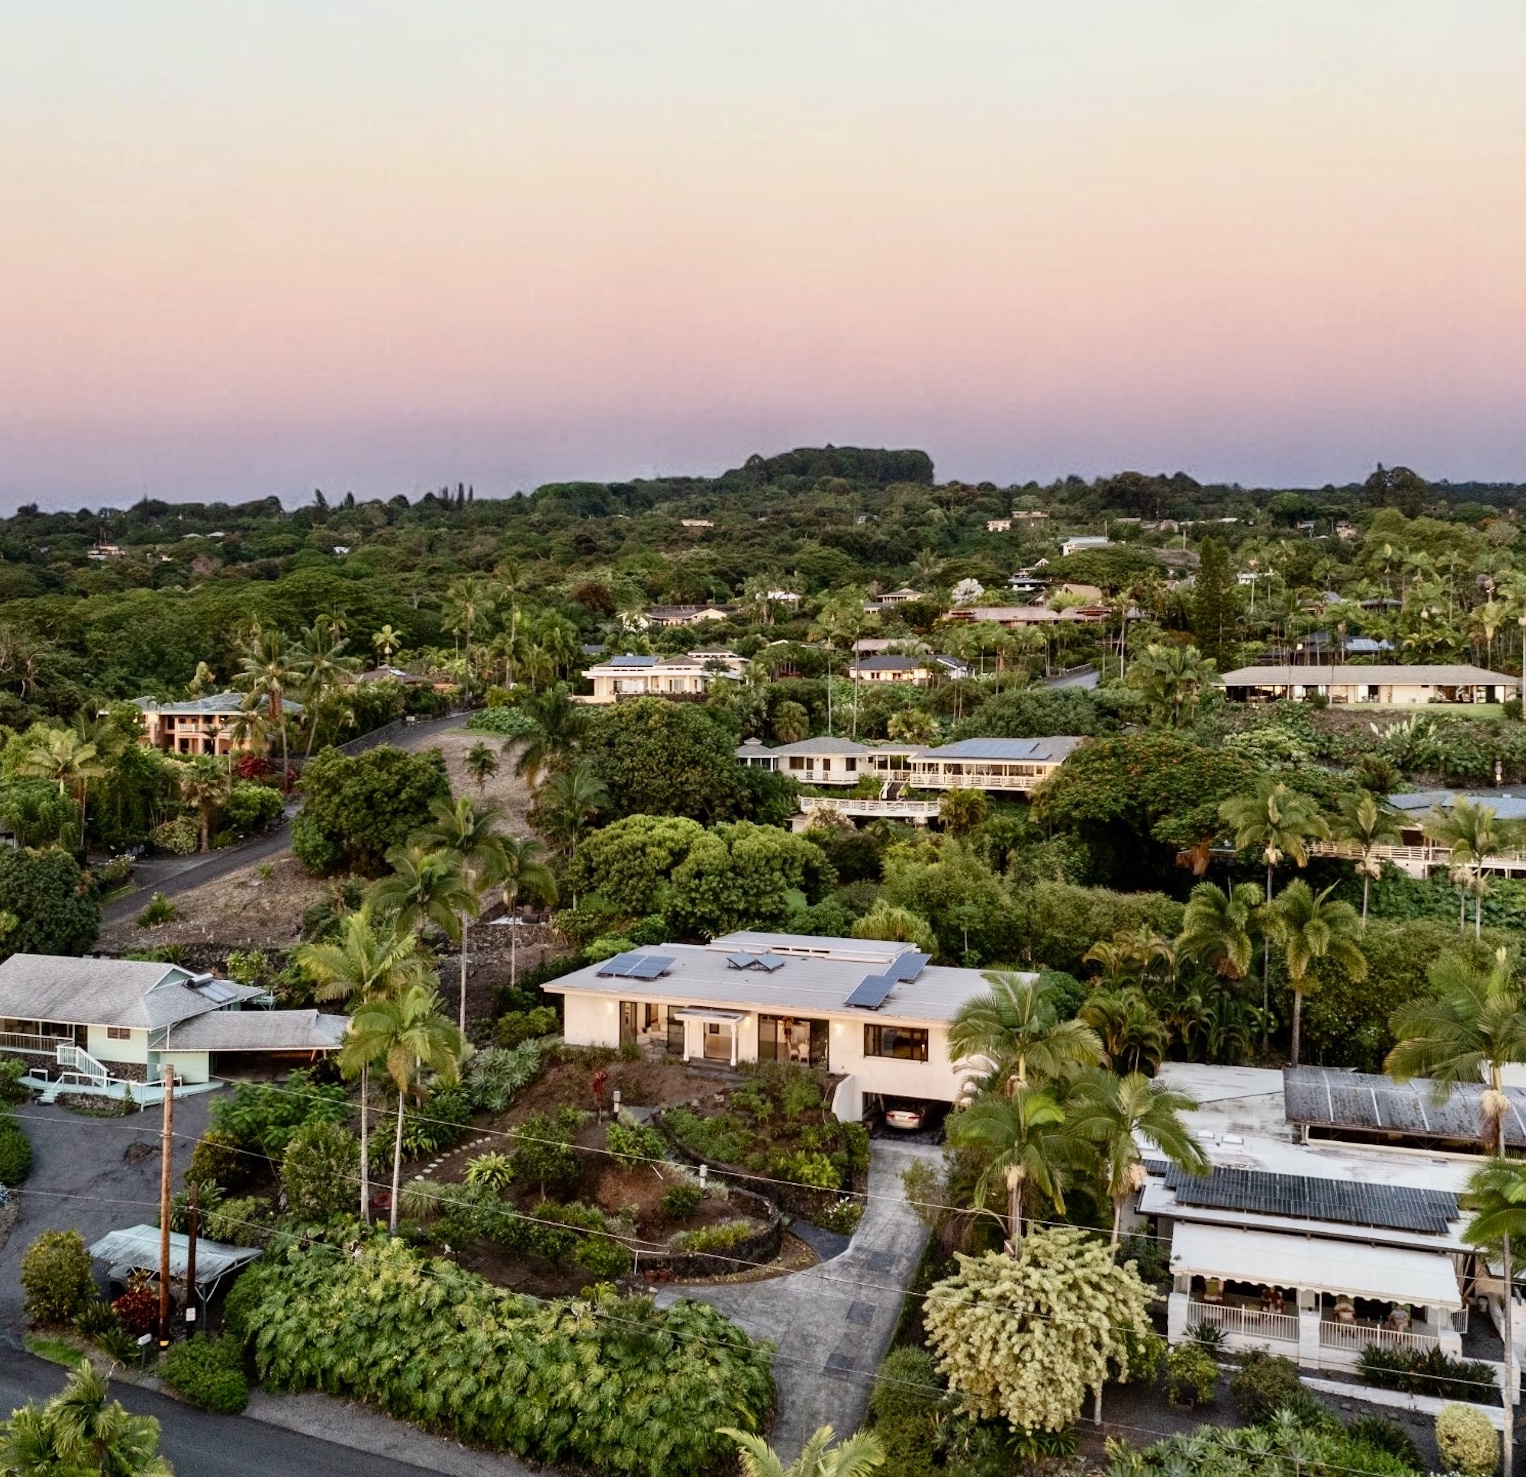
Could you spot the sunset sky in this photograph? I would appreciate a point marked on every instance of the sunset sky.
(260, 248)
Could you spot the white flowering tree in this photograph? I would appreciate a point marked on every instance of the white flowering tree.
(1027, 1336)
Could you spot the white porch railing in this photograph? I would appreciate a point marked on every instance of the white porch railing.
(77, 1060)
(1247, 1321)
(42, 1045)
(856, 805)
(1509, 862)
(1358, 1336)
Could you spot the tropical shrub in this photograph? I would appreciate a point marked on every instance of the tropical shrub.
(1430, 1372)
(906, 1408)
(263, 1116)
(517, 1026)
(208, 1372)
(1389, 1436)
(15, 1151)
(137, 1309)
(1466, 1440)
(217, 1160)
(433, 1126)
(491, 1171)
(841, 1216)
(1264, 1384)
(1286, 1444)
(718, 1138)
(509, 723)
(805, 1168)
(634, 1143)
(1191, 1375)
(713, 1238)
(55, 1275)
(1026, 1337)
(320, 1170)
(12, 1070)
(614, 1385)
(680, 1201)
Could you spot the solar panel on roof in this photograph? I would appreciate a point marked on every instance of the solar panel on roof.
(1309, 1197)
(619, 967)
(908, 966)
(770, 962)
(739, 961)
(649, 967)
(871, 992)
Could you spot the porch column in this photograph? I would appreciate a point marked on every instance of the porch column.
(1444, 1322)
(1308, 1328)
(687, 1024)
(1176, 1313)
(736, 1032)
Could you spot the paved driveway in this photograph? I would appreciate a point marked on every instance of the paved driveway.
(833, 1323)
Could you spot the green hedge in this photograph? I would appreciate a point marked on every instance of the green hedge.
(614, 1385)
(209, 1373)
(15, 1152)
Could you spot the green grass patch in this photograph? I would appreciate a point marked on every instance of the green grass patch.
(55, 1351)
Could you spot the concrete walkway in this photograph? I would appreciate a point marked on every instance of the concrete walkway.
(833, 1323)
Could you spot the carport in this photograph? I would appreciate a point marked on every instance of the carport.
(136, 1249)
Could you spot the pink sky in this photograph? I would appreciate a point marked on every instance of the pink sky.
(381, 247)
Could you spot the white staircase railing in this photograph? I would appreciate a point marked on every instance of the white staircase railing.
(76, 1059)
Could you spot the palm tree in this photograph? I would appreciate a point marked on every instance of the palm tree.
(1367, 822)
(481, 764)
(247, 731)
(1016, 1026)
(1172, 679)
(471, 834)
(840, 618)
(1470, 829)
(568, 802)
(1470, 1027)
(425, 886)
(205, 785)
(855, 1457)
(77, 1432)
(387, 643)
(523, 872)
(1279, 822)
(465, 603)
(1131, 1032)
(319, 665)
(62, 757)
(1216, 928)
(407, 1036)
(1308, 927)
(372, 959)
(1496, 1196)
(559, 726)
(265, 673)
(1026, 1143)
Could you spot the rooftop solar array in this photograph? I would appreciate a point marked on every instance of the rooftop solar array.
(768, 963)
(1324, 1098)
(635, 966)
(1308, 1197)
(872, 991)
(906, 967)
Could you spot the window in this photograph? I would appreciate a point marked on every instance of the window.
(789, 1039)
(118, 1033)
(851, 765)
(895, 1041)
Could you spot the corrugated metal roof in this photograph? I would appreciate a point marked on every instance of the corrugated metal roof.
(1308, 1197)
(1326, 1098)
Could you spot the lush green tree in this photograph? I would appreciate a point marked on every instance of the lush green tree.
(355, 809)
(1055, 923)
(319, 1170)
(963, 810)
(896, 925)
(266, 674)
(56, 906)
(55, 1276)
(1018, 1026)
(1214, 605)
(658, 757)
(861, 1453)
(37, 815)
(320, 667)
(1276, 821)
(946, 883)
(1024, 1337)
(1036, 712)
(1173, 681)
(742, 876)
(1309, 927)
(79, 1432)
(250, 807)
(406, 1035)
(628, 862)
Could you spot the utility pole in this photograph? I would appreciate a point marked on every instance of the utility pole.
(166, 1155)
(191, 1304)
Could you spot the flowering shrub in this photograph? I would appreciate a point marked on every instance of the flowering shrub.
(1466, 1440)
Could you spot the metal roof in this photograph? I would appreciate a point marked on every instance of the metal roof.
(1392, 1207)
(259, 1030)
(1390, 676)
(138, 1247)
(1004, 748)
(1506, 804)
(133, 993)
(631, 661)
(1326, 1098)
(215, 705)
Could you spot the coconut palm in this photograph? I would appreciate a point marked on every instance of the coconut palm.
(247, 732)
(373, 958)
(523, 872)
(319, 666)
(204, 786)
(1366, 821)
(481, 764)
(426, 885)
(79, 1432)
(466, 602)
(1471, 830)
(1025, 1142)
(265, 674)
(60, 756)
(1216, 928)
(387, 643)
(840, 620)
(407, 1036)
(568, 803)
(1015, 1027)
(858, 1455)
(559, 726)
(1496, 1196)
(1307, 927)
(1467, 1030)
(473, 835)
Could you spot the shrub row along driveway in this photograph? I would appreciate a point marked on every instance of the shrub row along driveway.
(833, 1323)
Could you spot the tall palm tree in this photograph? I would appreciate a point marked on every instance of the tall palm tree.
(474, 836)
(1470, 1027)
(1016, 1026)
(1173, 680)
(247, 732)
(568, 803)
(523, 872)
(559, 726)
(1216, 928)
(62, 757)
(265, 674)
(1496, 1196)
(1307, 927)
(1471, 830)
(1366, 821)
(466, 601)
(858, 1455)
(319, 666)
(424, 886)
(407, 1036)
(1026, 1143)
(204, 785)
(1279, 823)
(78, 1432)
(387, 643)
(372, 959)
(839, 620)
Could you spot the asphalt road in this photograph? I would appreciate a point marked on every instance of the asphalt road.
(200, 1444)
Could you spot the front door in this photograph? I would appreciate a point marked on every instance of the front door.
(717, 1042)
(628, 1022)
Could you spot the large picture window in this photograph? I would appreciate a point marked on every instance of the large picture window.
(895, 1041)
(784, 1038)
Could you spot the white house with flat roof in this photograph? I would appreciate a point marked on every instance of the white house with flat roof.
(630, 676)
(1385, 686)
(107, 1025)
(1330, 1220)
(874, 1013)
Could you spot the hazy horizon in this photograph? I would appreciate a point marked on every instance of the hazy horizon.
(250, 251)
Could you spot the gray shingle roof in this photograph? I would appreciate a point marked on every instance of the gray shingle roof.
(109, 992)
(1004, 748)
(259, 1030)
